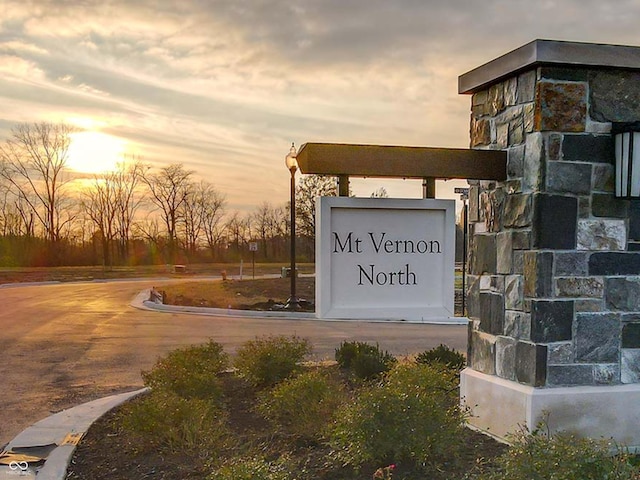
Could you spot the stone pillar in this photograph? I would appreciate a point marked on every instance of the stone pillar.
(554, 261)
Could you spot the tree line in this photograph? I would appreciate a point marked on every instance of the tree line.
(51, 215)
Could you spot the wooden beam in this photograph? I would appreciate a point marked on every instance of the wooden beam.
(402, 162)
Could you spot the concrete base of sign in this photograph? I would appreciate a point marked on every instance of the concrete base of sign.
(500, 407)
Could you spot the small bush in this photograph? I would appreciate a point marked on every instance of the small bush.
(443, 355)
(560, 457)
(303, 406)
(364, 360)
(254, 468)
(190, 372)
(413, 416)
(268, 360)
(163, 419)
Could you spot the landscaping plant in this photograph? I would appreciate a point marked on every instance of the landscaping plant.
(365, 361)
(443, 355)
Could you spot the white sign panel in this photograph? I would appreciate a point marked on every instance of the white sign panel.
(385, 259)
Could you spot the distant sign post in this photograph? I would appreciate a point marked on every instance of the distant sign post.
(253, 248)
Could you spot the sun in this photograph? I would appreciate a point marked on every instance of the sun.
(94, 152)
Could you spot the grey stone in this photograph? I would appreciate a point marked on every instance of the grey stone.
(502, 135)
(511, 91)
(601, 234)
(515, 161)
(589, 305)
(551, 320)
(526, 86)
(485, 254)
(554, 224)
(521, 239)
(568, 177)
(614, 263)
(518, 211)
(570, 375)
(538, 274)
(482, 352)
(623, 294)
(606, 205)
(514, 293)
(631, 335)
(531, 364)
(560, 73)
(533, 175)
(592, 287)
(480, 132)
(588, 148)
(634, 221)
(560, 353)
(504, 252)
(479, 98)
(633, 246)
(606, 374)
(517, 325)
(597, 337)
(491, 313)
(528, 114)
(516, 132)
(598, 128)
(554, 146)
(506, 358)
(584, 207)
(603, 178)
(473, 296)
(630, 317)
(496, 99)
(630, 365)
(474, 204)
(607, 90)
(496, 283)
(571, 263)
(518, 262)
(513, 185)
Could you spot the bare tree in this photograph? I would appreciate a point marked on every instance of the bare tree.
(168, 190)
(201, 214)
(32, 161)
(309, 188)
(128, 198)
(99, 204)
(212, 213)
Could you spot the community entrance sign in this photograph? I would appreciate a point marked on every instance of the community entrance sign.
(386, 259)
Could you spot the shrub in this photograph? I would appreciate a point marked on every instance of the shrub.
(254, 468)
(190, 372)
(364, 360)
(266, 361)
(443, 355)
(165, 420)
(303, 406)
(412, 415)
(560, 457)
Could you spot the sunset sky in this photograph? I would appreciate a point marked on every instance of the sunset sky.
(225, 86)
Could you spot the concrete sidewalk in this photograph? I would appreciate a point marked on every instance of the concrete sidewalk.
(53, 440)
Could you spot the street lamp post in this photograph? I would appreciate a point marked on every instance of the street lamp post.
(292, 165)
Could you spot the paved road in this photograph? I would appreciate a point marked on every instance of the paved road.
(66, 344)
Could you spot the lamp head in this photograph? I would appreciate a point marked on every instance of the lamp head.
(291, 159)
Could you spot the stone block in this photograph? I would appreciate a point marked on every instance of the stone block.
(473, 296)
(606, 373)
(571, 263)
(480, 132)
(482, 348)
(538, 274)
(589, 305)
(513, 292)
(511, 91)
(526, 87)
(631, 335)
(554, 146)
(496, 99)
(506, 358)
(502, 135)
(515, 161)
(531, 364)
(630, 365)
(606, 205)
(479, 98)
(560, 353)
(568, 74)
(474, 204)
(569, 375)
(588, 148)
(597, 337)
(496, 283)
(607, 88)
(601, 234)
(599, 128)
(518, 211)
(504, 253)
(551, 320)
(528, 115)
(517, 324)
(513, 186)
(614, 263)
(561, 107)
(634, 221)
(521, 239)
(485, 254)
(603, 178)
(485, 283)
(633, 246)
(518, 262)
(584, 207)
(554, 224)
(589, 287)
(533, 174)
(516, 132)
(568, 177)
(622, 294)
(492, 313)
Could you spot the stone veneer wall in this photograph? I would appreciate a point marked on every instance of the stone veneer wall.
(554, 267)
